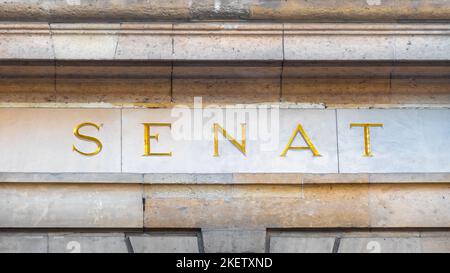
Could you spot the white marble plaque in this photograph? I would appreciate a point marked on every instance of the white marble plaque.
(410, 141)
(40, 140)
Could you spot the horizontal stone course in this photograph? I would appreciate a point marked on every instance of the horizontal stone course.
(226, 41)
(137, 10)
(226, 240)
(226, 178)
(170, 63)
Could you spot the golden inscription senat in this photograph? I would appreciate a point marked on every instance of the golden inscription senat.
(147, 138)
(366, 126)
(301, 131)
(239, 146)
(76, 132)
(217, 128)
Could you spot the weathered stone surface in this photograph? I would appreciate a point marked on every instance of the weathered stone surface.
(423, 47)
(285, 244)
(232, 82)
(23, 243)
(420, 83)
(298, 178)
(25, 41)
(70, 206)
(336, 82)
(144, 42)
(365, 41)
(87, 243)
(435, 244)
(113, 81)
(85, 41)
(409, 205)
(380, 245)
(234, 240)
(164, 244)
(326, 47)
(228, 41)
(269, 206)
(71, 178)
(27, 81)
(410, 178)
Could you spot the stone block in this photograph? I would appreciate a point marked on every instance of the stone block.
(70, 206)
(436, 244)
(139, 41)
(422, 46)
(165, 244)
(234, 240)
(380, 245)
(85, 41)
(409, 205)
(285, 244)
(256, 206)
(35, 45)
(227, 41)
(87, 243)
(350, 44)
(23, 243)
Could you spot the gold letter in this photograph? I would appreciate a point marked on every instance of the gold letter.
(240, 147)
(147, 138)
(76, 132)
(367, 150)
(305, 138)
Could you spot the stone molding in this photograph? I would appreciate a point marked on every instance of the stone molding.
(226, 41)
(226, 178)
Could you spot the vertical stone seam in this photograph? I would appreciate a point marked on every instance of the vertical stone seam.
(282, 64)
(54, 62)
(117, 42)
(128, 243)
(144, 203)
(337, 141)
(200, 242)
(47, 237)
(171, 64)
(369, 210)
(121, 140)
(337, 242)
(267, 242)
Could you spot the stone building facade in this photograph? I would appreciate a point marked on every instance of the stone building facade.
(368, 170)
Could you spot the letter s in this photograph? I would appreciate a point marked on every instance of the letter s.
(76, 132)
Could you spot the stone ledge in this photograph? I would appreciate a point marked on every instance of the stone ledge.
(226, 178)
(226, 41)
